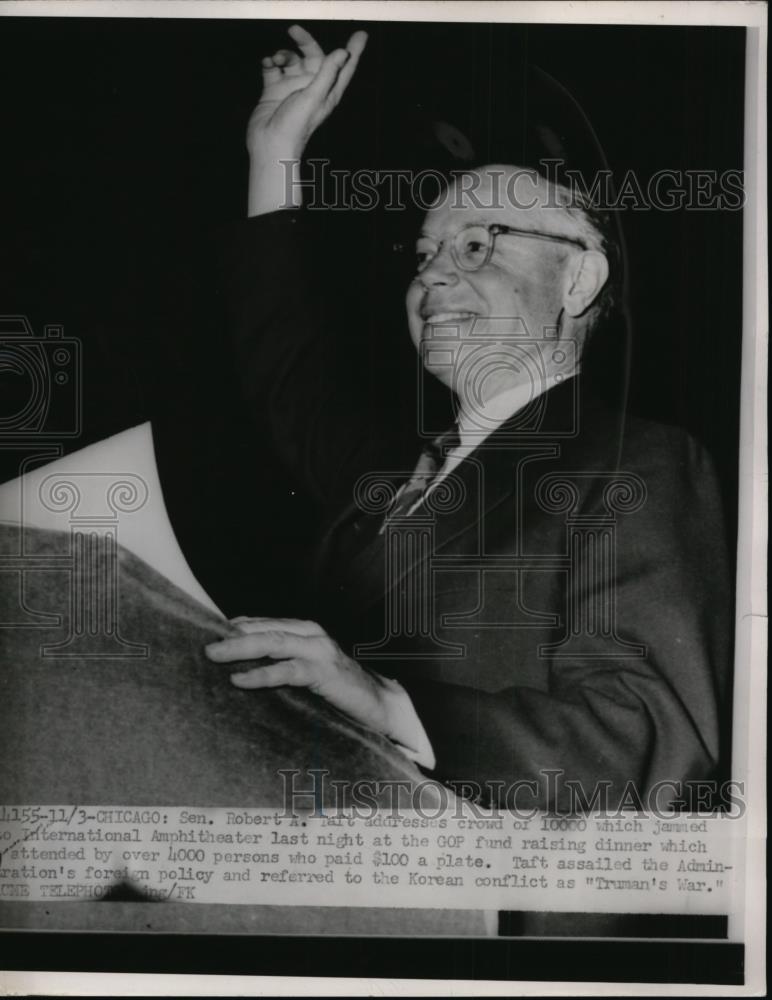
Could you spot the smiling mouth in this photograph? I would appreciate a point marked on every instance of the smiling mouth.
(447, 317)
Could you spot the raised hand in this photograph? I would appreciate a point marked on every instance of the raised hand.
(300, 91)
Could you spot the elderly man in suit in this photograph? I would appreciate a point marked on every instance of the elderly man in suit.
(544, 592)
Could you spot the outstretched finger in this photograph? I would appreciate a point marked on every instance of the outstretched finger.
(296, 626)
(275, 644)
(306, 42)
(294, 673)
(355, 47)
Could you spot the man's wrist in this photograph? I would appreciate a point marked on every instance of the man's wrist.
(274, 184)
(403, 725)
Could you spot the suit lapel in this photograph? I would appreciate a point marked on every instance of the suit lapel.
(486, 479)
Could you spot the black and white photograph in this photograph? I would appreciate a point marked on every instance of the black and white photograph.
(382, 497)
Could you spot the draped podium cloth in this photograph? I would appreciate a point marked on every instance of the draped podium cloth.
(162, 728)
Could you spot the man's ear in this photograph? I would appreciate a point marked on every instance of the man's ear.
(585, 281)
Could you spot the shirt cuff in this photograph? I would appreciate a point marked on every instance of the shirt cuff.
(406, 730)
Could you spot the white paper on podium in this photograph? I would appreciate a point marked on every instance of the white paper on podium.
(118, 475)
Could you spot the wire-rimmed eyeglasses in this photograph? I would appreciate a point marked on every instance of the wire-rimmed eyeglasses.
(472, 246)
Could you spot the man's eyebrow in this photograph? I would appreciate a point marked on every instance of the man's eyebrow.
(470, 222)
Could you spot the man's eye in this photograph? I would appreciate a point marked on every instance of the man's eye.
(422, 257)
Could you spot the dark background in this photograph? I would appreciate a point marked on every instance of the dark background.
(124, 154)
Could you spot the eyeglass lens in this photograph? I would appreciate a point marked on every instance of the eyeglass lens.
(471, 247)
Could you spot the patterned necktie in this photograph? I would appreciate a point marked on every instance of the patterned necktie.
(348, 554)
(431, 461)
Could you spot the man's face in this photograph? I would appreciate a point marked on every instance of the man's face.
(516, 296)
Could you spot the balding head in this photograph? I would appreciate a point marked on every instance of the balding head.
(518, 196)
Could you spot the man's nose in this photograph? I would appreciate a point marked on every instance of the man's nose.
(441, 270)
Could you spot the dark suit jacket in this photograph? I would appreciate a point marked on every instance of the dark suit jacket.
(575, 600)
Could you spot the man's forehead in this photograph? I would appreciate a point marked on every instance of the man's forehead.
(509, 195)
